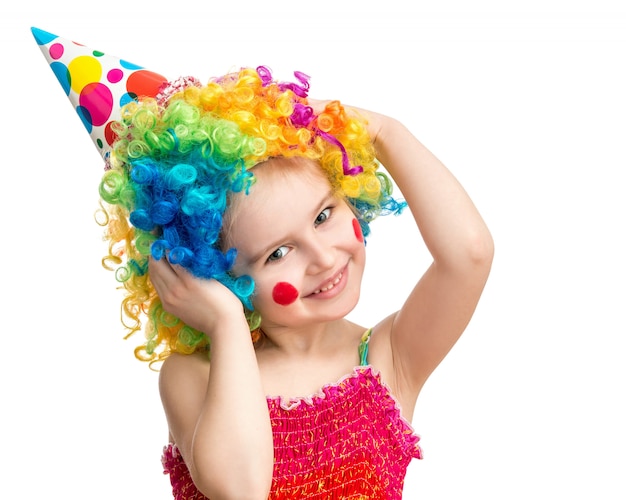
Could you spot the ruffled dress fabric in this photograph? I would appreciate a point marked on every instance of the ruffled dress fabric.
(349, 441)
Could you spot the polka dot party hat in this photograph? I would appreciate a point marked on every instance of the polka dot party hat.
(97, 84)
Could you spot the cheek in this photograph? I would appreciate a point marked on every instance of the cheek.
(284, 293)
(357, 230)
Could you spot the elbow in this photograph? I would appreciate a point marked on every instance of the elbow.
(481, 250)
(475, 255)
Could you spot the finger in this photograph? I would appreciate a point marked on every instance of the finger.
(161, 272)
(167, 273)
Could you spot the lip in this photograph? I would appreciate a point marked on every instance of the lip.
(333, 286)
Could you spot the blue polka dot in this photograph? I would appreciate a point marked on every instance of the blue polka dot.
(63, 75)
(126, 98)
(42, 37)
(85, 117)
(129, 65)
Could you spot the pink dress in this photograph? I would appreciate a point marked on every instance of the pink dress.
(349, 441)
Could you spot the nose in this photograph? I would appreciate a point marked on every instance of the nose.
(320, 255)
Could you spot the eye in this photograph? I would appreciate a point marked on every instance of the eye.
(323, 216)
(278, 254)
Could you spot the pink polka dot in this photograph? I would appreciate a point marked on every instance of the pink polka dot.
(56, 50)
(97, 99)
(284, 293)
(115, 75)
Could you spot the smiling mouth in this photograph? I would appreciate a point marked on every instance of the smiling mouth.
(330, 286)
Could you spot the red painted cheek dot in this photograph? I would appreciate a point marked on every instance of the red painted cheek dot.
(284, 293)
(357, 230)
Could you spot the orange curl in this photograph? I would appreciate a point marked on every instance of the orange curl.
(325, 122)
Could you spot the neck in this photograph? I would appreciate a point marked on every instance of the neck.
(303, 341)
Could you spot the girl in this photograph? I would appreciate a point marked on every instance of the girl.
(332, 431)
(236, 215)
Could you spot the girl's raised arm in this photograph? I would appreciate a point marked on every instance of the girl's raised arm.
(440, 306)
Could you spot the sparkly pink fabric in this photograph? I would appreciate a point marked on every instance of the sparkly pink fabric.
(347, 442)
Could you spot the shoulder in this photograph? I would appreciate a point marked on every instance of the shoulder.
(380, 354)
(184, 370)
(381, 332)
(176, 361)
(183, 381)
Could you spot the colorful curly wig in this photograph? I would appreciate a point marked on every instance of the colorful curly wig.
(177, 159)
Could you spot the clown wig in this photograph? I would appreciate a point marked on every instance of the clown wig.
(178, 158)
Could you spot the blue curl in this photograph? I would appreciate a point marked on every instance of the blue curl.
(158, 249)
(180, 255)
(143, 172)
(179, 176)
(171, 236)
(164, 212)
(141, 220)
(139, 268)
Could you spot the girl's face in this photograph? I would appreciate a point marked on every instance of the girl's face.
(300, 242)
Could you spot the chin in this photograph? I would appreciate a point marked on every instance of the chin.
(340, 309)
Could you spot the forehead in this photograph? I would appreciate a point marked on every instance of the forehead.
(276, 180)
(285, 191)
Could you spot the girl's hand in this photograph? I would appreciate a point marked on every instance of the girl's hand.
(199, 303)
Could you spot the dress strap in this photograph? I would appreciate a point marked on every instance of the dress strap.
(364, 347)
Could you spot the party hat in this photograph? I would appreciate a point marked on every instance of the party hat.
(97, 84)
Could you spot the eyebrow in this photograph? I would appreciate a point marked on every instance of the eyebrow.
(268, 249)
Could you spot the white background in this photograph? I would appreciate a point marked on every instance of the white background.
(525, 103)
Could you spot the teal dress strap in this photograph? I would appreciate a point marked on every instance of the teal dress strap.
(364, 347)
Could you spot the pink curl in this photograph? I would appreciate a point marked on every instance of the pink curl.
(265, 75)
(302, 89)
(347, 169)
(302, 115)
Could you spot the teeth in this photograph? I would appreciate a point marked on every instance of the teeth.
(330, 286)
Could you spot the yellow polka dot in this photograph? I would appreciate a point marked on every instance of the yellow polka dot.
(83, 71)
